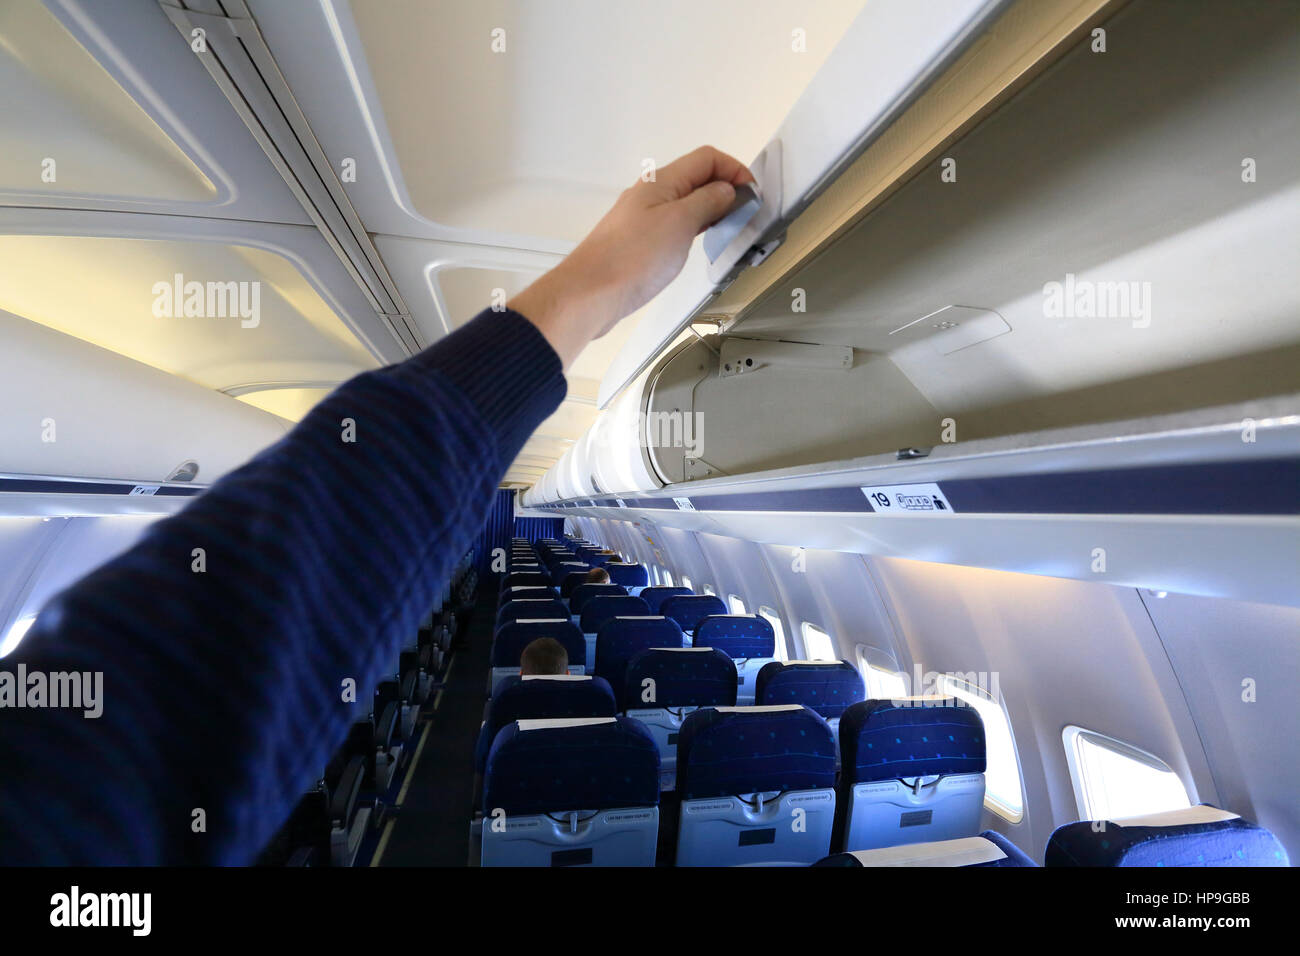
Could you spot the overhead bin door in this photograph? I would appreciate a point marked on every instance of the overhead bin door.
(893, 50)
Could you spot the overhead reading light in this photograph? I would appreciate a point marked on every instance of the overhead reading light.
(185, 471)
(16, 633)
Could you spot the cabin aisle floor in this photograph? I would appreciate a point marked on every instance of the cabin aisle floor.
(431, 827)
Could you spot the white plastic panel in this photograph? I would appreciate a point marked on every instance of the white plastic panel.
(256, 317)
(116, 98)
(555, 172)
(123, 420)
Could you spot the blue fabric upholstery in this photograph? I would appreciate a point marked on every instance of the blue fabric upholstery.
(1015, 857)
(520, 698)
(530, 578)
(511, 639)
(628, 575)
(886, 740)
(750, 750)
(519, 593)
(514, 610)
(657, 594)
(827, 687)
(742, 636)
(1221, 843)
(622, 638)
(687, 678)
(572, 579)
(583, 593)
(600, 609)
(688, 610)
(590, 767)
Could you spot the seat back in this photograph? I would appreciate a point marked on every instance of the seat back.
(1194, 836)
(634, 577)
(530, 578)
(757, 786)
(688, 610)
(656, 594)
(912, 771)
(989, 849)
(662, 686)
(828, 687)
(622, 638)
(747, 639)
(571, 792)
(537, 697)
(583, 593)
(562, 569)
(571, 579)
(525, 593)
(604, 607)
(512, 637)
(530, 608)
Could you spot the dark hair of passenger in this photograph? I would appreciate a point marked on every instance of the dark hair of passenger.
(545, 655)
(597, 576)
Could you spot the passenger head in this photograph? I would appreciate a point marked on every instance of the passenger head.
(597, 576)
(545, 655)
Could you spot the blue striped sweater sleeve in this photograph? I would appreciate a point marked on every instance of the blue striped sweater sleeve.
(222, 687)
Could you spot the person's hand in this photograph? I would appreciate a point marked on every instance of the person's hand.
(634, 251)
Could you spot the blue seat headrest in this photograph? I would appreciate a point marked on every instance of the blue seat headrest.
(628, 575)
(723, 751)
(688, 610)
(525, 698)
(690, 677)
(530, 608)
(511, 638)
(886, 740)
(828, 687)
(583, 593)
(525, 593)
(622, 638)
(740, 635)
(1196, 836)
(657, 594)
(600, 765)
(569, 580)
(600, 609)
(519, 579)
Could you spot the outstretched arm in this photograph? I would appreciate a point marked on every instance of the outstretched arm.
(222, 675)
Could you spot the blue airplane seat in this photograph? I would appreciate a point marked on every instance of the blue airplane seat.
(571, 792)
(756, 785)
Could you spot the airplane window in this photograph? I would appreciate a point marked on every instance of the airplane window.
(686, 583)
(880, 673)
(1113, 780)
(774, 619)
(737, 605)
(817, 644)
(708, 589)
(668, 578)
(16, 633)
(1002, 792)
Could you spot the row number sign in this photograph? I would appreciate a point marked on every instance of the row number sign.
(907, 499)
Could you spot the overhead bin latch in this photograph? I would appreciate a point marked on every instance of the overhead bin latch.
(751, 230)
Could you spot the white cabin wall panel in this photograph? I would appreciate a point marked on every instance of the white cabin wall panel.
(22, 540)
(1238, 664)
(829, 590)
(740, 570)
(84, 545)
(1063, 652)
